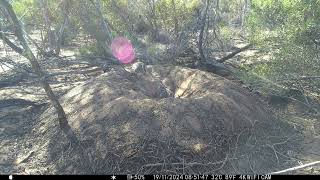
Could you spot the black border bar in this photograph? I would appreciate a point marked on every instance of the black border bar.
(158, 177)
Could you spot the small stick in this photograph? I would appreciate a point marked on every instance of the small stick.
(296, 168)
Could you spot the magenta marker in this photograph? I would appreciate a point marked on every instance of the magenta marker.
(123, 50)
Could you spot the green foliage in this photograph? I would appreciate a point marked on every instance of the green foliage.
(21, 7)
(90, 49)
(263, 70)
(26, 11)
(184, 9)
(252, 78)
(290, 19)
(225, 32)
(288, 28)
(134, 40)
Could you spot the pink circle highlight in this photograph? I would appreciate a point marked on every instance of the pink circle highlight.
(123, 50)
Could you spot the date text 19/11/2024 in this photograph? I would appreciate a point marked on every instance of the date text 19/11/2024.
(201, 177)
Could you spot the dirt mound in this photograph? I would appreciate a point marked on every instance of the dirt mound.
(167, 120)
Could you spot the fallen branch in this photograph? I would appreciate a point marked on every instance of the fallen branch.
(296, 168)
(74, 72)
(47, 76)
(6, 33)
(221, 60)
(305, 104)
(6, 62)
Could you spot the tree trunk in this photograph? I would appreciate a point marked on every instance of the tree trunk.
(37, 69)
(202, 26)
(96, 27)
(103, 23)
(65, 12)
(50, 33)
(244, 13)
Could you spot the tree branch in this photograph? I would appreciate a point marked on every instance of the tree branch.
(221, 60)
(11, 44)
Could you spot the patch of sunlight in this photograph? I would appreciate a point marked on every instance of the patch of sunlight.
(69, 53)
(126, 127)
(249, 53)
(161, 47)
(303, 121)
(6, 67)
(266, 57)
(198, 147)
(185, 85)
(23, 158)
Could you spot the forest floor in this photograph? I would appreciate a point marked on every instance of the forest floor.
(22, 102)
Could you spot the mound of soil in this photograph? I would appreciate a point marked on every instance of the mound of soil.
(167, 120)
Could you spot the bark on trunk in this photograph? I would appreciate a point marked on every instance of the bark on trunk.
(203, 24)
